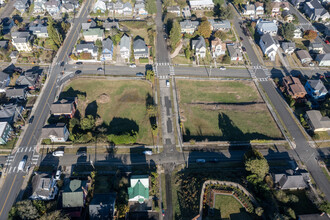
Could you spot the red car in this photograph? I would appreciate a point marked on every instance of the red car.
(327, 42)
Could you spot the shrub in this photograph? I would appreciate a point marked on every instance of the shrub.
(144, 60)
(123, 139)
(46, 141)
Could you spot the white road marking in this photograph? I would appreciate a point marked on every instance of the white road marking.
(30, 149)
(14, 169)
(26, 149)
(9, 169)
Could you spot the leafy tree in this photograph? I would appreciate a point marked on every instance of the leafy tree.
(291, 213)
(175, 34)
(150, 75)
(116, 38)
(187, 52)
(238, 2)
(325, 207)
(226, 13)
(87, 123)
(295, 19)
(287, 31)
(26, 210)
(268, 7)
(218, 2)
(98, 43)
(281, 196)
(151, 6)
(126, 138)
(325, 107)
(259, 211)
(205, 28)
(53, 33)
(55, 215)
(221, 35)
(73, 122)
(310, 35)
(256, 163)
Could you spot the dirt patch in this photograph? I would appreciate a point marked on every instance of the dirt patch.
(103, 98)
(130, 96)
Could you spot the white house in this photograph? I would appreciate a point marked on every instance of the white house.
(199, 47)
(100, 6)
(21, 41)
(259, 8)
(264, 27)
(268, 46)
(53, 7)
(218, 48)
(56, 133)
(297, 33)
(201, 4)
(43, 187)
(125, 46)
(87, 48)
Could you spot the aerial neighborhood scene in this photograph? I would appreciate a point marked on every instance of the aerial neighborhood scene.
(165, 109)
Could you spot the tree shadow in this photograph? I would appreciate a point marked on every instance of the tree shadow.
(91, 109)
(216, 10)
(71, 93)
(120, 126)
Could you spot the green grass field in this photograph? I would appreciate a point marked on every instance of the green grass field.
(229, 208)
(116, 102)
(224, 111)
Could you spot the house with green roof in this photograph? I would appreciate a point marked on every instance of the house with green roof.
(93, 34)
(74, 194)
(139, 190)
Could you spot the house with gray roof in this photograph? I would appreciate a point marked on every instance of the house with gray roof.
(268, 46)
(39, 6)
(235, 52)
(199, 46)
(322, 216)
(3, 44)
(174, 10)
(5, 132)
(316, 48)
(87, 48)
(21, 41)
(188, 26)
(29, 79)
(102, 206)
(304, 56)
(16, 93)
(201, 4)
(21, 5)
(7, 25)
(315, 11)
(44, 187)
(291, 180)
(222, 25)
(55, 132)
(288, 47)
(317, 122)
(140, 49)
(323, 59)
(107, 49)
(140, 8)
(264, 27)
(40, 30)
(316, 89)
(53, 7)
(127, 8)
(10, 113)
(249, 10)
(125, 46)
(186, 13)
(298, 3)
(99, 6)
(4, 80)
(67, 8)
(110, 24)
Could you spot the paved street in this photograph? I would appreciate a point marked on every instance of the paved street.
(14, 179)
(305, 153)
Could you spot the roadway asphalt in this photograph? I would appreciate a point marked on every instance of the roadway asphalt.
(304, 151)
(14, 179)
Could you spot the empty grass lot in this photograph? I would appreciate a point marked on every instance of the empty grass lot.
(121, 103)
(229, 208)
(224, 111)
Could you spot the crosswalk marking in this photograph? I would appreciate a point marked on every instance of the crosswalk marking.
(263, 79)
(9, 169)
(14, 169)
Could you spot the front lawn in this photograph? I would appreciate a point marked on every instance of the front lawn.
(229, 208)
(224, 111)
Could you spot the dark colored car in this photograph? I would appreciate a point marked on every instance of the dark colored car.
(78, 72)
(82, 151)
(243, 48)
(99, 69)
(31, 119)
(241, 38)
(62, 63)
(140, 74)
(79, 63)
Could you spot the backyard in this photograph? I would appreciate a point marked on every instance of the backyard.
(224, 111)
(119, 105)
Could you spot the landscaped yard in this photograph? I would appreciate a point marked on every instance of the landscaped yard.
(224, 111)
(229, 208)
(118, 104)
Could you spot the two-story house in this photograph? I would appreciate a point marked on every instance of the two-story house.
(64, 107)
(74, 197)
(7, 24)
(268, 46)
(264, 27)
(189, 26)
(323, 59)
(28, 79)
(199, 46)
(125, 46)
(21, 5)
(53, 7)
(315, 11)
(39, 6)
(127, 9)
(4, 81)
(316, 89)
(40, 30)
(235, 52)
(99, 6)
(21, 41)
(293, 87)
(140, 49)
(10, 113)
(87, 48)
(93, 34)
(316, 48)
(222, 25)
(249, 10)
(140, 8)
(259, 8)
(107, 49)
(55, 132)
(297, 34)
(44, 187)
(218, 47)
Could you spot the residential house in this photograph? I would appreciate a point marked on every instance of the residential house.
(109, 25)
(249, 10)
(21, 5)
(297, 34)
(316, 48)
(67, 8)
(53, 7)
(93, 34)
(5, 132)
(125, 46)
(4, 81)
(107, 49)
(322, 216)
(186, 12)
(285, 6)
(201, 4)
(316, 89)
(174, 10)
(140, 49)
(304, 56)
(40, 30)
(317, 122)
(298, 3)
(16, 93)
(44, 187)
(188, 26)
(139, 190)
(275, 8)
(288, 47)
(315, 11)
(293, 87)
(10, 113)
(140, 8)
(89, 24)
(7, 25)
(39, 6)
(13, 55)
(199, 46)
(264, 27)
(29, 79)
(323, 59)
(21, 41)
(3, 44)
(235, 52)
(87, 48)
(259, 7)
(118, 7)
(287, 16)
(55, 132)
(99, 6)
(268, 46)
(218, 47)
(222, 25)
(291, 180)
(64, 107)
(102, 206)
(74, 196)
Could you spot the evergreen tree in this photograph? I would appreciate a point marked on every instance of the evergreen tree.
(53, 33)
(175, 34)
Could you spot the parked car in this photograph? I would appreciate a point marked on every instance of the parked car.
(241, 38)
(62, 63)
(79, 63)
(99, 69)
(58, 153)
(222, 68)
(167, 83)
(140, 74)
(31, 119)
(148, 152)
(78, 72)
(82, 152)
(133, 65)
(243, 48)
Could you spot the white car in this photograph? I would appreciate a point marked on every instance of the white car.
(22, 163)
(58, 175)
(167, 83)
(148, 152)
(222, 68)
(58, 153)
(132, 65)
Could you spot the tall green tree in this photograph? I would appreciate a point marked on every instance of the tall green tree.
(175, 34)
(287, 31)
(87, 123)
(26, 210)
(151, 6)
(205, 28)
(268, 7)
(256, 164)
(54, 33)
(226, 13)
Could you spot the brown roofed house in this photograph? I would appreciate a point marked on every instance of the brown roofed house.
(293, 87)
(65, 107)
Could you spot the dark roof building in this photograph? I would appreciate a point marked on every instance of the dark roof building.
(102, 206)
